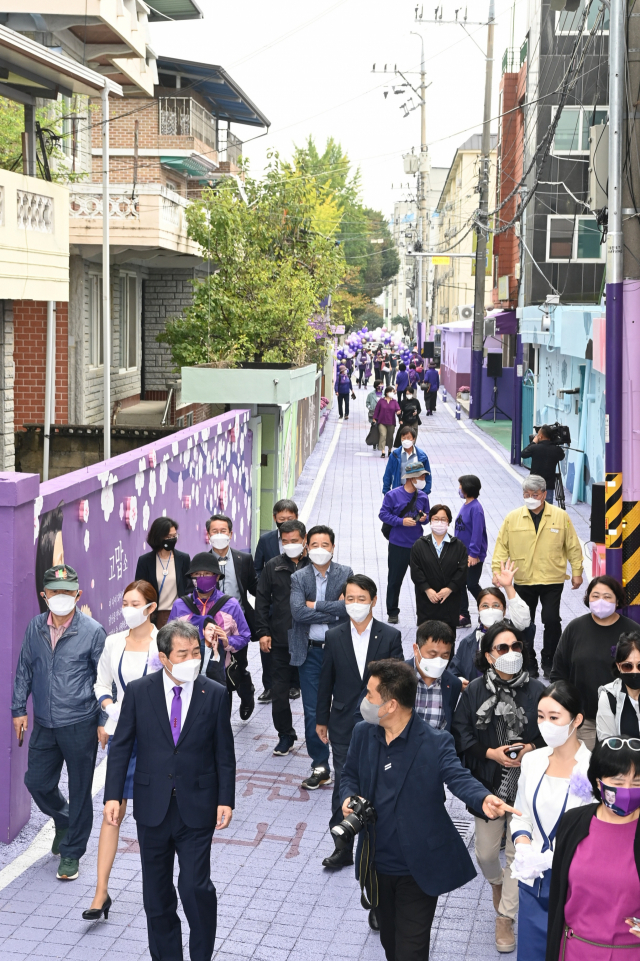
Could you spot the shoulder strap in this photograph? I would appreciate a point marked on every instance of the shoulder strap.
(410, 505)
(214, 610)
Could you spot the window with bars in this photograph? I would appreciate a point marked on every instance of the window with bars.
(96, 353)
(129, 321)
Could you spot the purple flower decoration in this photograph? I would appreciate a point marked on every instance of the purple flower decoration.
(154, 663)
(580, 786)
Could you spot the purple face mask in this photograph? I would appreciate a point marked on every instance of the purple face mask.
(206, 583)
(602, 609)
(621, 800)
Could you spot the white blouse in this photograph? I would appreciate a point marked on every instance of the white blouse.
(133, 665)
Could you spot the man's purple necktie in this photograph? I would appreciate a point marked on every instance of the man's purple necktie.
(176, 714)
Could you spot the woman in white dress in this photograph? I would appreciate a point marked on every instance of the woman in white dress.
(127, 656)
(553, 780)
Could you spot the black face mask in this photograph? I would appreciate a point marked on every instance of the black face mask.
(170, 543)
(631, 680)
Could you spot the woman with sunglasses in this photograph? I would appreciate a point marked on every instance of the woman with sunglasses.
(618, 700)
(495, 725)
(551, 782)
(492, 607)
(584, 654)
(594, 899)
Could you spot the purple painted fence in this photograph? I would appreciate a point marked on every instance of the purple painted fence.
(98, 519)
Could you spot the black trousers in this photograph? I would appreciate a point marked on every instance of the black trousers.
(343, 399)
(158, 848)
(265, 657)
(244, 684)
(280, 685)
(473, 586)
(49, 748)
(339, 752)
(549, 596)
(405, 915)
(398, 561)
(401, 394)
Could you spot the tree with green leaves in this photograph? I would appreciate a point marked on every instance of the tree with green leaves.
(274, 261)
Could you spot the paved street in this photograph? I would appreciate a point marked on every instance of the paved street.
(276, 903)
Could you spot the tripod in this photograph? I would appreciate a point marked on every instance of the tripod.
(494, 407)
(559, 492)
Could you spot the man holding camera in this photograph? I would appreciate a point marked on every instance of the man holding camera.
(400, 765)
(545, 457)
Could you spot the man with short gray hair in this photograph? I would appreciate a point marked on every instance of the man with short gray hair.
(540, 540)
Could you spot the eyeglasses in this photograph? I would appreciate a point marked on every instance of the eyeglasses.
(627, 667)
(617, 743)
(505, 648)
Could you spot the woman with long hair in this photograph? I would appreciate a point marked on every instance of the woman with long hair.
(127, 655)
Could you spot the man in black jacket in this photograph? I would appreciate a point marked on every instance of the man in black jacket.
(343, 682)
(272, 623)
(238, 579)
(184, 787)
(545, 457)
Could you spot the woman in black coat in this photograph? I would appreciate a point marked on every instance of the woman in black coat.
(164, 567)
(595, 876)
(439, 570)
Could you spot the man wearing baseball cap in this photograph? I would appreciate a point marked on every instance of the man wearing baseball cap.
(57, 666)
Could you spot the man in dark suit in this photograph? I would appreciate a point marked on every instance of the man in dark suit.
(238, 579)
(348, 650)
(401, 765)
(269, 546)
(184, 787)
(438, 688)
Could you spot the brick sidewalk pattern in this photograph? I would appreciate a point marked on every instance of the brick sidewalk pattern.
(276, 902)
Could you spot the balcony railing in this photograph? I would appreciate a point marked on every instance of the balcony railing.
(185, 117)
(510, 61)
(229, 146)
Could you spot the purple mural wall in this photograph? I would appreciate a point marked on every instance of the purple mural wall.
(97, 519)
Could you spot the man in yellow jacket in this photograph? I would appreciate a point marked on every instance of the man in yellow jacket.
(540, 540)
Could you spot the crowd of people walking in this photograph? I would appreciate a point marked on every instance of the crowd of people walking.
(545, 756)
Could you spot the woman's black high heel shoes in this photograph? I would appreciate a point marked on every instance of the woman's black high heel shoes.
(94, 914)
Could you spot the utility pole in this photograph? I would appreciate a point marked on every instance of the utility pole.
(423, 189)
(475, 407)
(106, 279)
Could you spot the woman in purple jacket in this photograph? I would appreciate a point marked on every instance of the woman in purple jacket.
(343, 388)
(402, 381)
(471, 529)
(384, 416)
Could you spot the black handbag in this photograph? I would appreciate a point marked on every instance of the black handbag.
(386, 528)
(373, 437)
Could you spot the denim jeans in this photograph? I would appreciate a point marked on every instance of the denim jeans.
(309, 681)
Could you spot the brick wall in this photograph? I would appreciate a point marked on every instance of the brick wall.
(506, 245)
(7, 378)
(30, 342)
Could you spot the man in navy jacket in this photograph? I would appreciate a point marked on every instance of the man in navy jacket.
(401, 765)
(348, 650)
(438, 688)
(184, 787)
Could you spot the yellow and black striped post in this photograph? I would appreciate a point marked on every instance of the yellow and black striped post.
(631, 551)
(613, 511)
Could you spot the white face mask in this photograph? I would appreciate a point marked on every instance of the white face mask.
(555, 735)
(62, 604)
(185, 671)
(490, 617)
(532, 503)
(419, 483)
(433, 666)
(219, 541)
(135, 616)
(293, 550)
(510, 663)
(407, 444)
(358, 612)
(439, 527)
(320, 556)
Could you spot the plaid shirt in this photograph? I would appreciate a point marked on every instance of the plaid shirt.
(429, 703)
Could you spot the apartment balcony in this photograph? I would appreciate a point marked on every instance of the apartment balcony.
(153, 219)
(34, 238)
(186, 117)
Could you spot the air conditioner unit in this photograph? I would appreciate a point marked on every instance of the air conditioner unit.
(466, 312)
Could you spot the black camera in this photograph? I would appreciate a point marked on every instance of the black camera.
(362, 812)
(559, 434)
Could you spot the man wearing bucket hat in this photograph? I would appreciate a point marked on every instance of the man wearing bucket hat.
(57, 666)
(231, 632)
(404, 511)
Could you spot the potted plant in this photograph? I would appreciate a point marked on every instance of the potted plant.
(464, 393)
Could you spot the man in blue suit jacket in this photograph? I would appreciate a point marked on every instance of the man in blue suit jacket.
(316, 605)
(401, 765)
(184, 787)
(438, 687)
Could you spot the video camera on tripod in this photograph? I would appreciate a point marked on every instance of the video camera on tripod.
(559, 434)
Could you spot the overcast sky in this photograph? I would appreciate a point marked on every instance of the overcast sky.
(308, 68)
